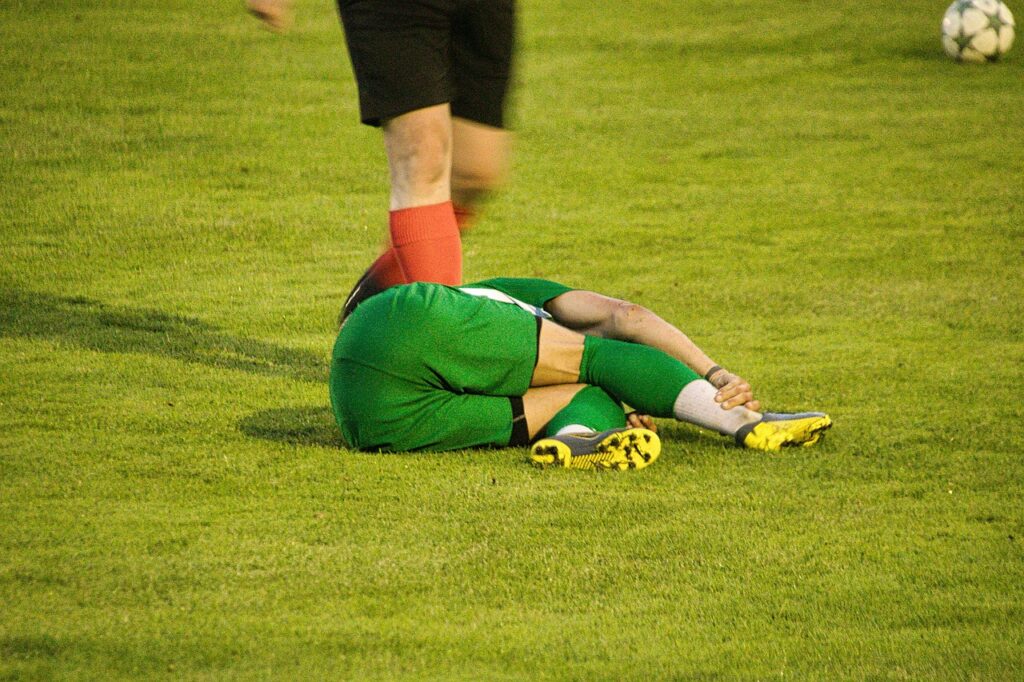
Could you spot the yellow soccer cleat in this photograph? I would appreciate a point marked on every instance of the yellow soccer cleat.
(616, 449)
(779, 430)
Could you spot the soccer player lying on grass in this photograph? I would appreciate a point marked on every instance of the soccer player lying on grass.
(507, 362)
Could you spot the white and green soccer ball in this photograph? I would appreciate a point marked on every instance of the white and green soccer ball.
(977, 30)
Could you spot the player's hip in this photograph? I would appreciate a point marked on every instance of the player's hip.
(377, 411)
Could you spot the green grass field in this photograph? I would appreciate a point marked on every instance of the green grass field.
(812, 191)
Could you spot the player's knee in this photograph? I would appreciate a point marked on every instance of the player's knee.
(478, 179)
(470, 195)
(480, 157)
(418, 146)
(420, 163)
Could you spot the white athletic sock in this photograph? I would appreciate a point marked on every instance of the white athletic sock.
(696, 404)
(575, 429)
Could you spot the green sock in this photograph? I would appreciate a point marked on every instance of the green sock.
(592, 408)
(644, 378)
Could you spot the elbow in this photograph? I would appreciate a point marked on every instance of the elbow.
(628, 320)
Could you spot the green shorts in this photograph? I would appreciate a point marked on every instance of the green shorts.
(428, 367)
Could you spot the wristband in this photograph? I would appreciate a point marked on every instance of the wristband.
(711, 372)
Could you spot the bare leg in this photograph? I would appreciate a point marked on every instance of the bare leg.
(423, 243)
(419, 149)
(480, 155)
(540, 405)
(432, 158)
(275, 14)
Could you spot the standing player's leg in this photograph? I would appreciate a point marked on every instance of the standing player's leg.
(477, 165)
(480, 157)
(483, 46)
(275, 14)
(436, 75)
(400, 53)
(424, 234)
(424, 242)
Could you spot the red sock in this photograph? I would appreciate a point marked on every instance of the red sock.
(464, 216)
(386, 270)
(426, 243)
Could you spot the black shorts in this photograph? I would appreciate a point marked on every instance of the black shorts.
(411, 54)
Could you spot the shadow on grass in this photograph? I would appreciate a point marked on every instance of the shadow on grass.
(94, 325)
(26, 647)
(294, 425)
(923, 53)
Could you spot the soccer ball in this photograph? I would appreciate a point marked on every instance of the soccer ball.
(977, 30)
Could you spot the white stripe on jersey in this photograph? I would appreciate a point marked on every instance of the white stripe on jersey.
(502, 297)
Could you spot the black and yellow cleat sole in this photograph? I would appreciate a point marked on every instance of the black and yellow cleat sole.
(614, 450)
(779, 430)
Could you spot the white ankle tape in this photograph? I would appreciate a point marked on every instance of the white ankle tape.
(696, 404)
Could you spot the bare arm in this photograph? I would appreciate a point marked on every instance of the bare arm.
(597, 315)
